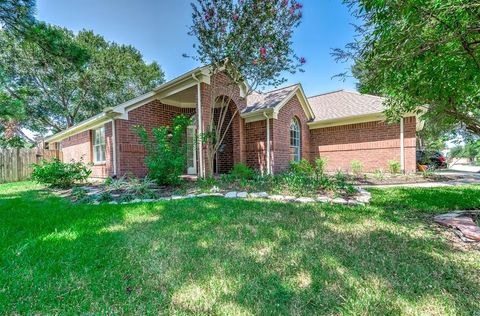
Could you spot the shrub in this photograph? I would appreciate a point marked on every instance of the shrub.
(105, 196)
(242, 171)
(80, 195)
(320, 165)
(117, 184)
(394, 166)
(302, 167)
(379, 174)
(167, 151)
(356, 167)
(59, 174)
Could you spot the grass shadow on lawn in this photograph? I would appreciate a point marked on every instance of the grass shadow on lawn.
(228, 256)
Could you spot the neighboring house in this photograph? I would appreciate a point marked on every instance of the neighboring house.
(271, 129)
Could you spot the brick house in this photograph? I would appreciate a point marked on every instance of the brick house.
(268, 130)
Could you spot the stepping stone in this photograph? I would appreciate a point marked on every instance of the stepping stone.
(461, 221)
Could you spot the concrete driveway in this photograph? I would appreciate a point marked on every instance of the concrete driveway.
(469, 175)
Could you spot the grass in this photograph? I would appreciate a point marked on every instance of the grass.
(221, 256)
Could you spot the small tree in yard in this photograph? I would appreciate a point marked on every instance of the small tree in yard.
(166, 150)
(251, 42)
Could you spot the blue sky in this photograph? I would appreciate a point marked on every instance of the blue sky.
(158, 28)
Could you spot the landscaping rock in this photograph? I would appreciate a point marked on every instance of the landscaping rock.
(461, 221)
(191, 195)
(340, 201)
(355, 203)
(363, 198)
(177, 197)
(242, 195)
(289, 198)
(324, 199)
(276, 197)
(258, 195)
(304, 200)
(231, 195)
(113, 202)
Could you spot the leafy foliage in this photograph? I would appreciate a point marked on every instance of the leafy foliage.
(52, 93)
(167, 151)
(423, 55)
(242, 171)
(394, 166)
(251, 40)
(56, 173)
(356, 167)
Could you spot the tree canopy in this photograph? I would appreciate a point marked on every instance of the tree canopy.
(423, 55)
(55, 93)
(251, 40)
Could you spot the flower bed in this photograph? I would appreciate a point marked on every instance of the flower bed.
(303, 183)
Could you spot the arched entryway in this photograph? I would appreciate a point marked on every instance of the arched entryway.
(224, 158)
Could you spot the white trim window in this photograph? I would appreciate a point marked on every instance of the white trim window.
(295, 140)
(99, 145)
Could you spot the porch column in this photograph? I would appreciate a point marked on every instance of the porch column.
(201, 172)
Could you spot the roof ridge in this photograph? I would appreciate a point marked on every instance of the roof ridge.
(289, 86)
(330, 92)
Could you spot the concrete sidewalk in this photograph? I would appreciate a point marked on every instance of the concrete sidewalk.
(462, 177)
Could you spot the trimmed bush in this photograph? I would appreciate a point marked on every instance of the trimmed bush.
(166, 151)
(59, 174)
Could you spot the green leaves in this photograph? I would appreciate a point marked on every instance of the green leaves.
(420, 54)
(250, 40)
(76, 78)
(167, 150)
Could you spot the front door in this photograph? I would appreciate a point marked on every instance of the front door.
(191, 151)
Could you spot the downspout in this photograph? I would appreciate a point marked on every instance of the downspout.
(268, 143)
(402, 146)
(114, 148)
(199, 129)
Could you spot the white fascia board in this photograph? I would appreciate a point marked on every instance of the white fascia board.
(347, 120)
(92, 122)
(298, 91)
(356, 119)
(259, 115)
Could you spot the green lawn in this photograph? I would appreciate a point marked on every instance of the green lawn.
(222, 256)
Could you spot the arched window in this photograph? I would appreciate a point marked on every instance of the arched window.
(295, 140)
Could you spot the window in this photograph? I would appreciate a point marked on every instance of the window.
(295, 140)
(99, 145)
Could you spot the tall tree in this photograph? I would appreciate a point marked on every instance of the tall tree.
(249, 40)
(57, 93)
(424, 55)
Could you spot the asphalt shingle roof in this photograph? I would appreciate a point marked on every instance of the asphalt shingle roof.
(341, 104)
(268, 100)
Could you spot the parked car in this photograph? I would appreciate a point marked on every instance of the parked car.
(432, 158)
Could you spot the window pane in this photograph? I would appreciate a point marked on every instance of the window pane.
(294, 140)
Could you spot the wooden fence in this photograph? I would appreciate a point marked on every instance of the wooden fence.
(16, 164)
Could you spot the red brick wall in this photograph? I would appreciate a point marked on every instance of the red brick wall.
(131, 154)
(372, 143)
(79, 146)
(256, 144)
(281, 135)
